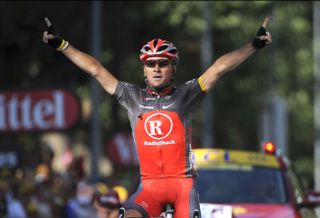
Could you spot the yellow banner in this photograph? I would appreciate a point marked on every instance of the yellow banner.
(206, 158)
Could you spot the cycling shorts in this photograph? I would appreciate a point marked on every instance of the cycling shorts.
(152, 196)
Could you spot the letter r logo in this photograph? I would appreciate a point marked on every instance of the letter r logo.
(155, 127)
(158, 125)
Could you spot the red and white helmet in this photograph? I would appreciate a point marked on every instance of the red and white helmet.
(159, 47)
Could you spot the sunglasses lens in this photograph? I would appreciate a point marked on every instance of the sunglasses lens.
(150, 63)
(161, 63)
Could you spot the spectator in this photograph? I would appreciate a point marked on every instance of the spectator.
(10, 205)
(107, 205)
(80, 206)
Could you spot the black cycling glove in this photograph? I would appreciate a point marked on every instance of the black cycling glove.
(57, 42)
(258, 43)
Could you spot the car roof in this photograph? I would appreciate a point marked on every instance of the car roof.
(214, 157)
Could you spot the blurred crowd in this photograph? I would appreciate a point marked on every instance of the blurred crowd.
(40, 193)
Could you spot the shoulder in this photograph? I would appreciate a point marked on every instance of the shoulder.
(126, 91)
(125, 86)
(190, 84)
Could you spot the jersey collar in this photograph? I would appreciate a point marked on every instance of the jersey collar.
(163, 91)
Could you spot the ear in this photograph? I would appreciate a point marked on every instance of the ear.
(145, 75)
(145, 80)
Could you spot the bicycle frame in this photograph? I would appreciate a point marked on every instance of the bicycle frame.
(169, 211)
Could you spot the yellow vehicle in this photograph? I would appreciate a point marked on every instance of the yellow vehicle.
(243, 184)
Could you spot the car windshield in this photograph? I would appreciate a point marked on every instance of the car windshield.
(241, 185)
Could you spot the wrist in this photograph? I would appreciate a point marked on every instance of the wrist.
(257, 44)
(63, 46)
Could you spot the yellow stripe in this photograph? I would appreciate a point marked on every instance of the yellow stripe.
(201, 84)
(62, 44)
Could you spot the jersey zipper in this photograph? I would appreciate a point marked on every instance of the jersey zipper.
(160, 147)
(158, 102)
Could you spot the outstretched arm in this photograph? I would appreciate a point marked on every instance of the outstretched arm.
(231, 60)
(86, 62)
(93, 67)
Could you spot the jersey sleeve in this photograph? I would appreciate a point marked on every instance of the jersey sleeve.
(127, 94)
(192, 93)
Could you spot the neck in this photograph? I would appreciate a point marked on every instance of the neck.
(163, 90)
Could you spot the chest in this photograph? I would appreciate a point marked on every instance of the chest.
(168, 102)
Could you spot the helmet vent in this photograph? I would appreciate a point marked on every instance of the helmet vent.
(163, 47)
(173, 51)
(147, 48)
(155, 42)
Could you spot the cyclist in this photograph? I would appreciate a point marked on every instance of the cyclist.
(160, 117)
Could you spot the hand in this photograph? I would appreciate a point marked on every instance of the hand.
(52, 37)
(262, 36)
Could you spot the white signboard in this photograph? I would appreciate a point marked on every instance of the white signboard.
(215, 211)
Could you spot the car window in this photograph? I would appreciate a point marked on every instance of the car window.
(241, 185)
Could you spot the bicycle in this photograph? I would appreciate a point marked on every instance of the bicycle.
(169, 212)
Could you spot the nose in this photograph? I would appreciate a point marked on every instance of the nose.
(156, 68)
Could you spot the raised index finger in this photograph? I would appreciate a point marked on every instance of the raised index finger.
(265, 22)
(47, 21)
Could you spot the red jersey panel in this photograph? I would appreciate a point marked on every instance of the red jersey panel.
(161, 145)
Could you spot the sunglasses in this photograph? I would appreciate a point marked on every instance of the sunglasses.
(160, 62)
